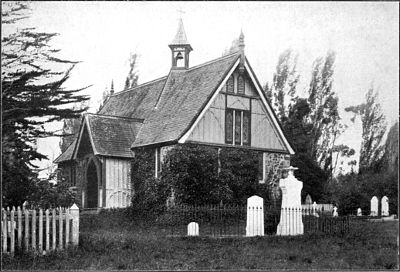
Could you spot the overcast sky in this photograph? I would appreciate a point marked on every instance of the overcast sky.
(365, 36)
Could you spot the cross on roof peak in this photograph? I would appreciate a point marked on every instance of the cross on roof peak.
(181, 11)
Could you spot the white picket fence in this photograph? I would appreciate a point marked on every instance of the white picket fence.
(23, 229)
(319, 207)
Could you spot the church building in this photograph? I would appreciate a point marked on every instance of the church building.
(219, 103)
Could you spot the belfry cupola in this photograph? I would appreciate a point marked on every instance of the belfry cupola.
(180, 49)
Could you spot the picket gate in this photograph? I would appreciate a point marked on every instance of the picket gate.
(35, 230)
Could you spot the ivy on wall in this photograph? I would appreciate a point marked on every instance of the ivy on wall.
(197, 175)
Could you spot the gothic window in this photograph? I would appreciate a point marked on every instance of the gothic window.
(229, 126)
(238, 130)
(229, 85)
(246, 128)
(260, 167)
(240, 87)
(237, 127)
(157, 162)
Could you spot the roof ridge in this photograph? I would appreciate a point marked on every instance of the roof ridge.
(212, 61)
(139, 86)
(116, 116)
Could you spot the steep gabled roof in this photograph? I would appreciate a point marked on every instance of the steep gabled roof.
(112, 135)
(184, 95)
(137, 102)
(67, 154)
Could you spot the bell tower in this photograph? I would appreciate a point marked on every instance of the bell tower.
(180, 49)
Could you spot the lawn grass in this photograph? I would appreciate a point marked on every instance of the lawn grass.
(118, 243)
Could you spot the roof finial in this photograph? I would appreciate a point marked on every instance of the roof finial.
(241, 40)
(112, 87)
(241, 50)
(181, 12)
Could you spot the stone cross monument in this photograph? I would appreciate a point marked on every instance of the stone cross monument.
(291, 214)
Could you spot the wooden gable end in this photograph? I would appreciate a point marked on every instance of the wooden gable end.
(84, 146)
(237, 116)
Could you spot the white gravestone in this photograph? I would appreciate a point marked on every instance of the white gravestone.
(314, 209)
(335, 213)
(255, 216)
(193, 229)
(291, 222)
(385, 206)
(308, 200)
(359, 212)
(374, 206)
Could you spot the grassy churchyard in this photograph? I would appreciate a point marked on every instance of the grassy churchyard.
(113, 241)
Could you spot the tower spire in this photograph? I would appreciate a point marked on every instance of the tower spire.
(112, 87)
(180, 48)
(241, 50)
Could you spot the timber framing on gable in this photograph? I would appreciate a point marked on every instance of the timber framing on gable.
(207, 106)
(268, 107)
(255, 82)
(84, 123)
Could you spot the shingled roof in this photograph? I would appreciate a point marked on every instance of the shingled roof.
(113, 135)
(156, 112)
(183, 97)
(180, 37)
(67, 154)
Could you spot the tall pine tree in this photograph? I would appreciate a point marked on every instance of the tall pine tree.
(32, 96)
(373, 129)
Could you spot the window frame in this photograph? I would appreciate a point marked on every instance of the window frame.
(241, 78)
(241, 113)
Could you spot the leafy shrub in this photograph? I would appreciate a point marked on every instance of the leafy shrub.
(201, 175)
(150, 193)
(192, 172)
(48, 195)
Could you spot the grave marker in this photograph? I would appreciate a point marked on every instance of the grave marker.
(255, 216)
(374, 206)
(385, 206)
(291, 222)
(193, 229)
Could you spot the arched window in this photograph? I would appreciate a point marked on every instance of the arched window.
(229, 85)
(240, 87)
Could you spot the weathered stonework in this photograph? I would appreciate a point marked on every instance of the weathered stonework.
(274, 163)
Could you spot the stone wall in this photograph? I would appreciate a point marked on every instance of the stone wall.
(274, 163)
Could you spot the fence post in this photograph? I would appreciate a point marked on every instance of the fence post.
(40, 231)
(47, 230)
(12, 233)
(19, 213)
(60, 228)
(54, 228)
(34, 229)
(67, 227)
(5, 234)
(26, 229)
(75, 224)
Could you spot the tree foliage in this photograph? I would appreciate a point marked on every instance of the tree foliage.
(391, 156)
(133, 76)
(32, 96)
(373, 129)
(71, 128)
(324, 115)
(283, 89)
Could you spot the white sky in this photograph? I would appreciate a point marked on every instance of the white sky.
(365, 36)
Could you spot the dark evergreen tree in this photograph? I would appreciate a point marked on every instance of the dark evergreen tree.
(32, 95)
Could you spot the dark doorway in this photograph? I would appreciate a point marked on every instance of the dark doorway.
(92, 185)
